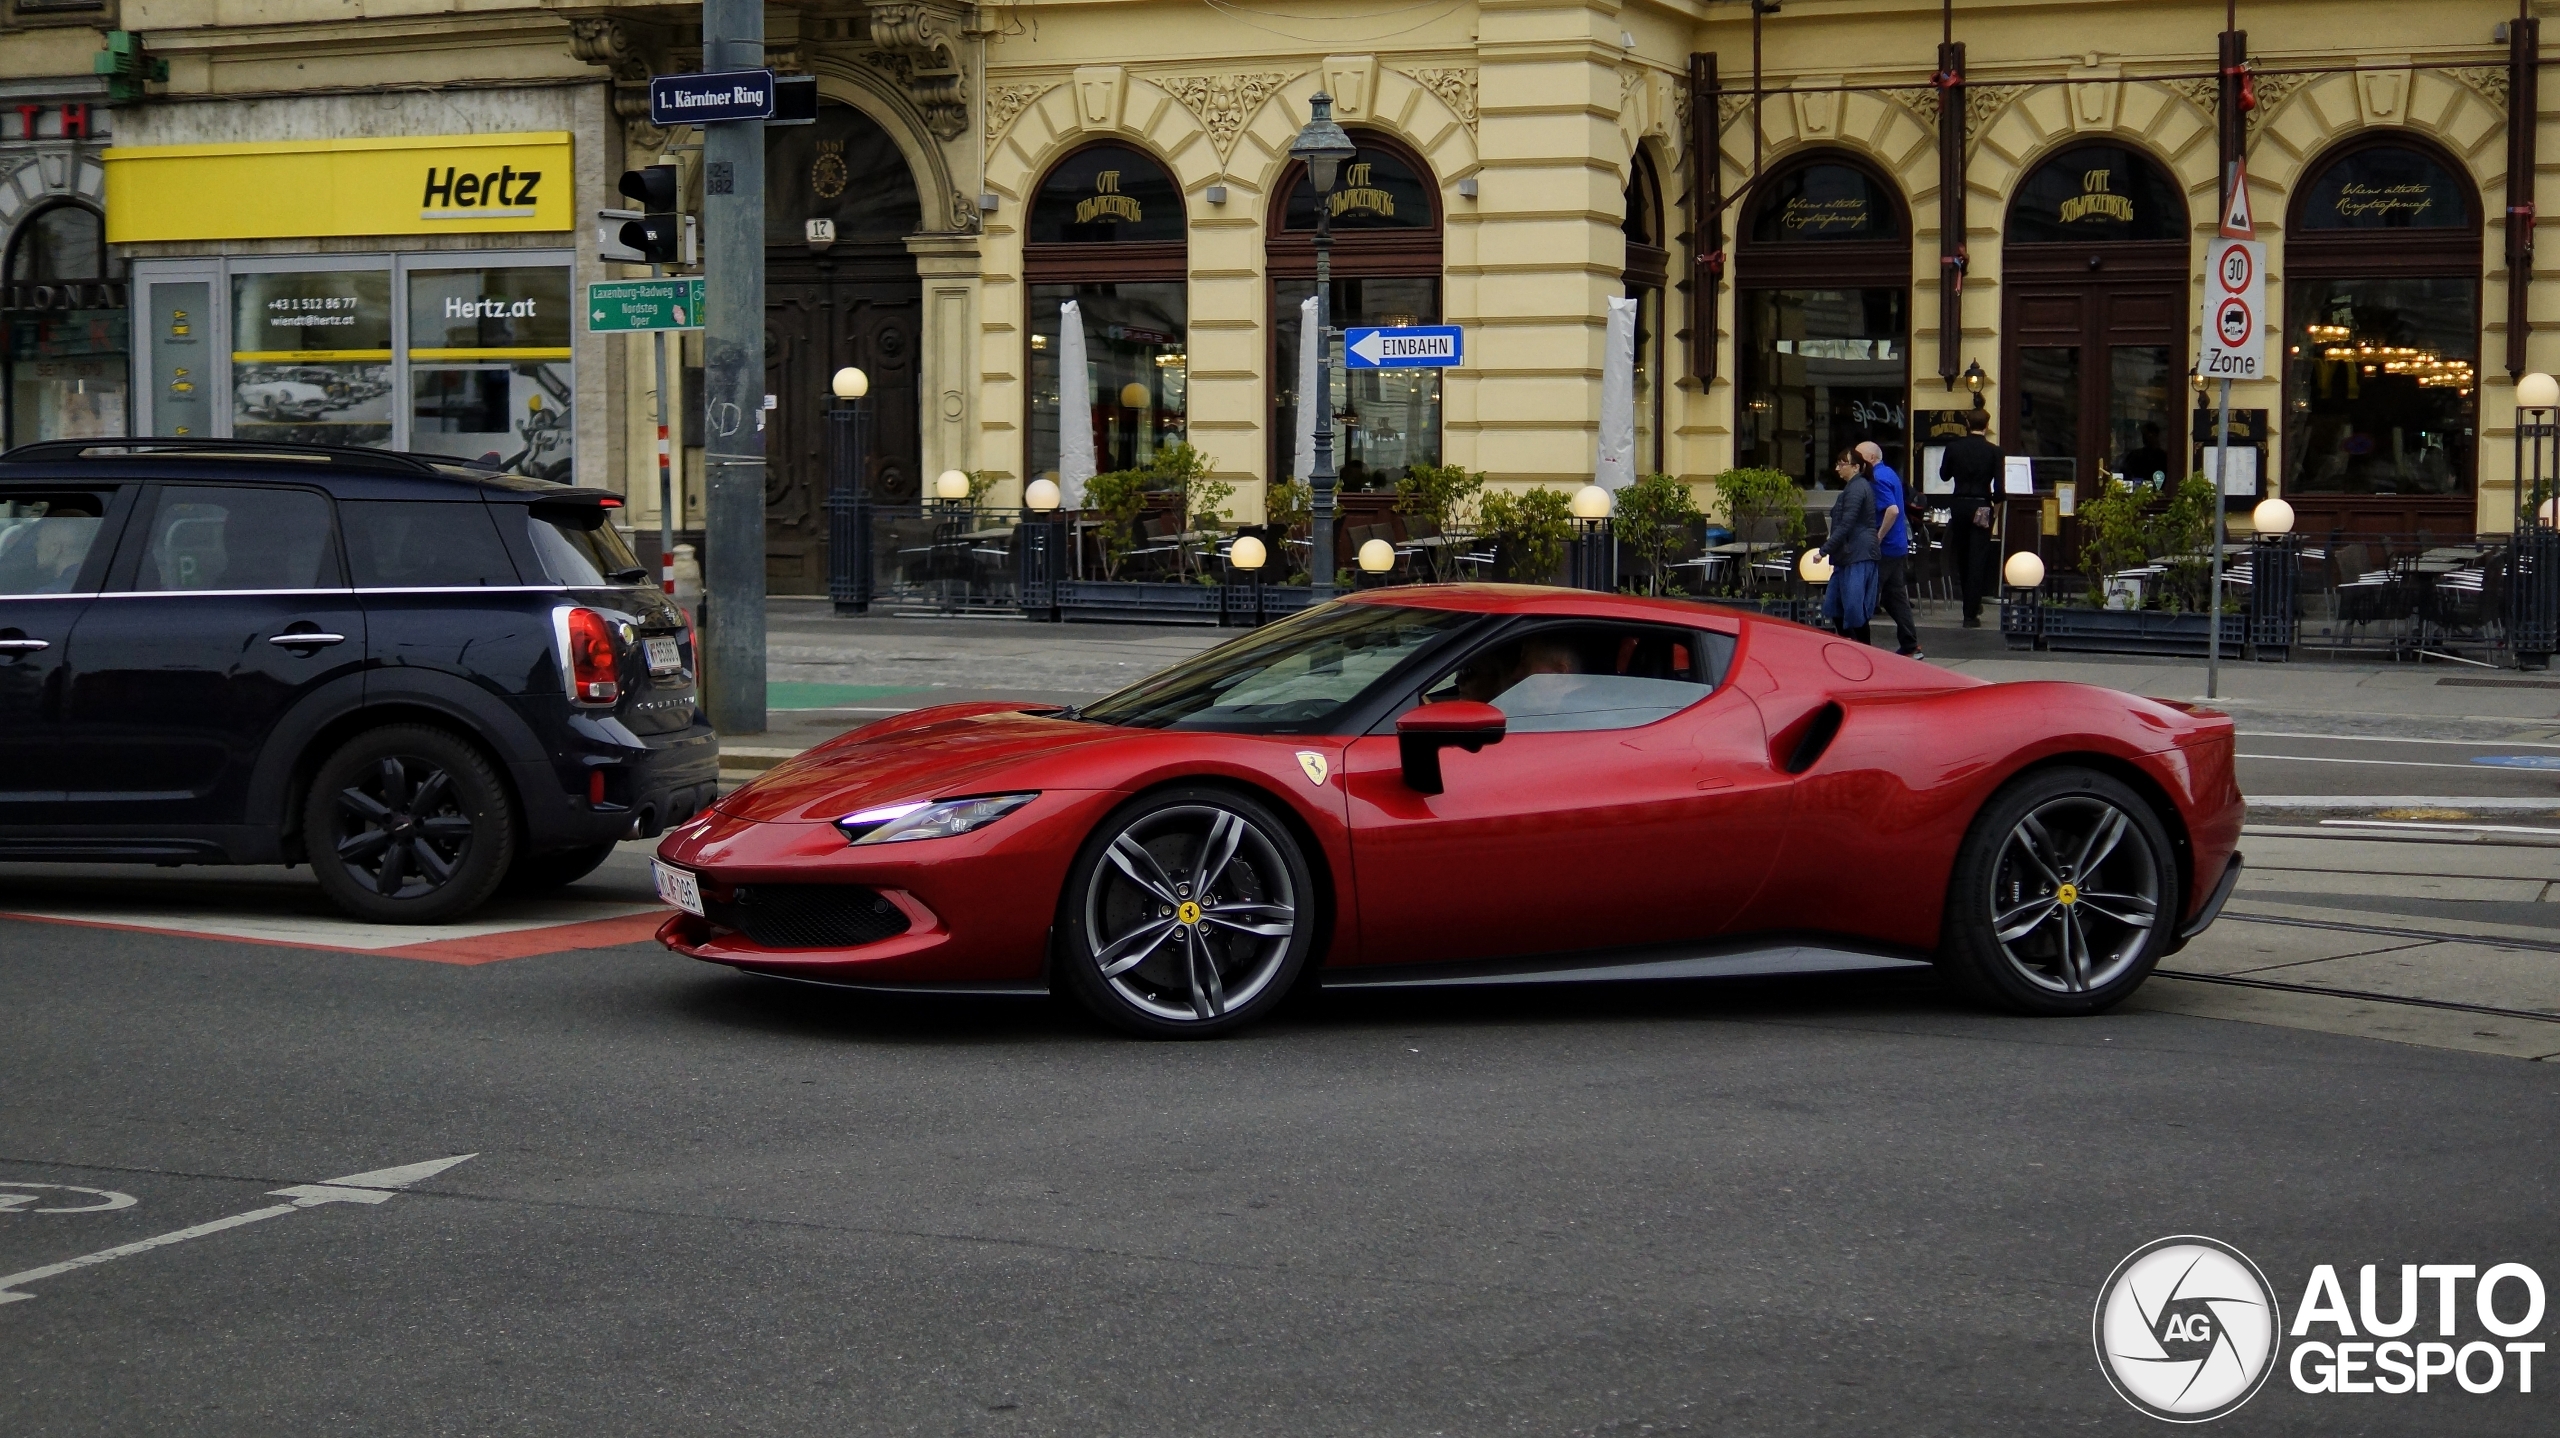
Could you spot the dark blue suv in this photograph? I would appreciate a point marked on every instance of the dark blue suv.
(424, 679)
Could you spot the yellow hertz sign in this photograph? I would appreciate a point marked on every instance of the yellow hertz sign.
(441, 185)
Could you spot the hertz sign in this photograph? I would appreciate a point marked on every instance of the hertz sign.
(439, 185)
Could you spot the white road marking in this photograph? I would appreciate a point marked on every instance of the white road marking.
(2402, 801)
(2386, 763)
(14, 1202)
(2456, 828)
(2389, 739)
(379, 1185)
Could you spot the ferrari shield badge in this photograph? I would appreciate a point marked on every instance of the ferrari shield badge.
(1313, 763)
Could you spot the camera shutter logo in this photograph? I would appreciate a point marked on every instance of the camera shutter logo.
(2187, 1329)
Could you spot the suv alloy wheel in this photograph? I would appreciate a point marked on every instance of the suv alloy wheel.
(408, 825)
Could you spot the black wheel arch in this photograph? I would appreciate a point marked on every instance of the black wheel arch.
(285, 772)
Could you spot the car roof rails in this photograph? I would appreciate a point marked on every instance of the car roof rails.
(350, 456)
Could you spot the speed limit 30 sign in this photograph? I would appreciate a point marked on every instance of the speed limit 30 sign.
(2235, 310)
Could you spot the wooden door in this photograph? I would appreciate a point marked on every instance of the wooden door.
(2096, 350)
(821, 315)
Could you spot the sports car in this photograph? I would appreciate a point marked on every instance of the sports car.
(1475, 784)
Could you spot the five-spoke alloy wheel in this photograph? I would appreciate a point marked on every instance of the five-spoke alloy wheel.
(408, 825)
(1188, 913)
(2064, 895)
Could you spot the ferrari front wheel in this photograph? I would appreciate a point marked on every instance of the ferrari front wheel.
(2063, 897)
(1188, 913)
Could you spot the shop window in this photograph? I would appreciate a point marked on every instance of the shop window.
(1106, 233)
(2110, 193)
(489, 368)
(65, 331)
(311, 357)
(2382, 308)
(1822, 282)
(1386, 271)
(844, 169)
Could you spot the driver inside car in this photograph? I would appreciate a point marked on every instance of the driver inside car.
(1487, 676)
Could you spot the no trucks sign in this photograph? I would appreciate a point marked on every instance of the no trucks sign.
(2235, 310)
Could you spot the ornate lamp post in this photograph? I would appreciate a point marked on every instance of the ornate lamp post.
(848, 501)
(1322, 146)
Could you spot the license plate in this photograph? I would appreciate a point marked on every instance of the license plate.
(677, 887)
(663, 658)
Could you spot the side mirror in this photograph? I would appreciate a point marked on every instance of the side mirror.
(1454, 724)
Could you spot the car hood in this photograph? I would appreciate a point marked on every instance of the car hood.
(936, 753)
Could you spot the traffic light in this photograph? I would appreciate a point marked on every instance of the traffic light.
(658, 235)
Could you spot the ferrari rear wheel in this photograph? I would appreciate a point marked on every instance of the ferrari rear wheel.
(1188, 914)
(2063, 897)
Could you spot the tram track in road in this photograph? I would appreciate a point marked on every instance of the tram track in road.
(2363, 995)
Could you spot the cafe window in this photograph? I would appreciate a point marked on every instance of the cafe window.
(460, 355)
(64, 328)
(1648, 270)
(2096, 192)
(1386, 225)
(1106, 232)
(1822, 280)
(2382, 308)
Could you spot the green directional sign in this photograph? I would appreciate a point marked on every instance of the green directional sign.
(624, 306)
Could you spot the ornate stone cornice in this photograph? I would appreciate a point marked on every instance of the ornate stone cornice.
(631, 52)
(921, 46)
(1225, 104)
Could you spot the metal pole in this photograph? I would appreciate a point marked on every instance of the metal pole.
(1320, 482)
(733, 381)
(2213, 595)
(666, 479)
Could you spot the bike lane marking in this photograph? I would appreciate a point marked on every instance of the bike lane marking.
(15, 1202)
(379, 1185)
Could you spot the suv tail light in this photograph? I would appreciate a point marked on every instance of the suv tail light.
(591, 658)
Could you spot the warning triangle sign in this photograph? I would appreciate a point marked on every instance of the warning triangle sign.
(2237, 222)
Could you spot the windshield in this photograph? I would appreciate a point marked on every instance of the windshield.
(1291, 677)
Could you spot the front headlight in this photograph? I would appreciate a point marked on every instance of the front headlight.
(898, 823)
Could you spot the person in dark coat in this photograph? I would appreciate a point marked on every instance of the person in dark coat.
(1973, 463)
(1850, 601)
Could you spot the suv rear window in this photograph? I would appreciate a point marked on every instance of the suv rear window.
(581, 554)
(45, 538)
(414, 544)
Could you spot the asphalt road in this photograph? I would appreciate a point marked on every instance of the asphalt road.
(700, 1203)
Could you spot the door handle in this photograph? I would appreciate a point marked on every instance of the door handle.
(24, 646)
(313, 640)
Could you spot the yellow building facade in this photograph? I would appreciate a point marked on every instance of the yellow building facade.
(1523, 162)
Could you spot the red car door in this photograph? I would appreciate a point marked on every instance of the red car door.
(1559, 842)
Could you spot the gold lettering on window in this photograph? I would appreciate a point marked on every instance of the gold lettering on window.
(2095, 200)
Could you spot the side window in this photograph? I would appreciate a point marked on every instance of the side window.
(1582, 677)
(580, 549)
(46, 539)
(210, 537)
(414, 544)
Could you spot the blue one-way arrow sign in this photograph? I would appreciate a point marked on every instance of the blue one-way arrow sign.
(707, 99)
(1405, 347)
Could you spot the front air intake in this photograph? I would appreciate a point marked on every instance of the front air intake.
(809, 916)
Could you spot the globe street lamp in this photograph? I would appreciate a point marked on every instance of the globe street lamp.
(1322, 146)
(848, 501)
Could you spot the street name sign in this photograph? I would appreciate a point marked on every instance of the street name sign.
(628, 306)
(1405, 347)
(709, 99)
(2235, 310)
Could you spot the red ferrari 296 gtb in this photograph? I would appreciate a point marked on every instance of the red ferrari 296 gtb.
(1480, 784)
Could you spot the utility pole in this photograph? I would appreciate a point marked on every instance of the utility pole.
(733, 577)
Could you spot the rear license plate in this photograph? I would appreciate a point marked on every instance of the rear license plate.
(663, 658)
(677, 887)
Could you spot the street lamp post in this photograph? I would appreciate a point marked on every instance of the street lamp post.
(848, 501)
(2533, 579)
(1322, 146)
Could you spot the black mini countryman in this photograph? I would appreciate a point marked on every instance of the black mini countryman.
(424, 679)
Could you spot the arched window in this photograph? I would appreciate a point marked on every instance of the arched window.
(1385, 207)
(62, 331)
(1106, 231)
(2382, 341)
(1822, 288)
(1648, 269)
(844, 169)
(2094, 318)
